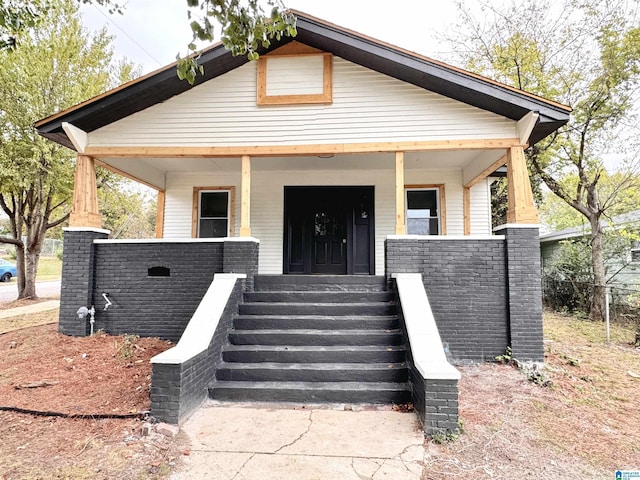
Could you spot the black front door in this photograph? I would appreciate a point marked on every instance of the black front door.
(328, 230)
(329, 240)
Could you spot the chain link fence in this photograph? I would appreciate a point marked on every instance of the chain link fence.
(575, 297)
(51, 248)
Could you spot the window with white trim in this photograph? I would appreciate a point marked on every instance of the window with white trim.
(213, 213)
(423, 211)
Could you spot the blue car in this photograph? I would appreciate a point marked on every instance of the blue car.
(7, 270)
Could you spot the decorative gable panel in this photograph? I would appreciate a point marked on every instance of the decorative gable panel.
(295, 78)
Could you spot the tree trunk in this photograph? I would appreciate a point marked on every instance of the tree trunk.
(598, 305)
(21, 269)
(32, 257)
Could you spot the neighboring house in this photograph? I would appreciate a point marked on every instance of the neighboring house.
(622, 269)
(334, 154)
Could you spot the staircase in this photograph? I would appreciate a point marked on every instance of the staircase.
(315, 339)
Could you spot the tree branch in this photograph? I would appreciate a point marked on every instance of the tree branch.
(58, 222)
(11, 241)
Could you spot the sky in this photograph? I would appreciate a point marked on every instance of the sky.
(151, 32)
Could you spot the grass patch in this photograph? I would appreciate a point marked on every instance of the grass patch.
(49, 268)
(564, 328)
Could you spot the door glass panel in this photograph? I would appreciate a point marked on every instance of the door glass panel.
(328, 223)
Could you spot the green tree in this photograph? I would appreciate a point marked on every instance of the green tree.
(127, 210)
(54, 67)
(19, 17)
(244, 25)
(557, 214)
(583, 54)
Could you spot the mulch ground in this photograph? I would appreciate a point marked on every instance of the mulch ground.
(100, 375)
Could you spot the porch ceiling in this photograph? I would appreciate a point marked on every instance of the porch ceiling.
(153, 170)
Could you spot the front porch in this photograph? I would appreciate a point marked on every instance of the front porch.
(256, 195)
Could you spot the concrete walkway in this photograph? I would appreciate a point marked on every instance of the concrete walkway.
(275, 443)
(34, 308)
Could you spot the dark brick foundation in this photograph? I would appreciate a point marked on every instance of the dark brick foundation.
(76, 291)
(525, 292)
(484, 292)
(154, 286)
(178, 389)
(465, 281)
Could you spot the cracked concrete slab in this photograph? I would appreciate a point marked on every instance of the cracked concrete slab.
(360, 434)
(264, 442)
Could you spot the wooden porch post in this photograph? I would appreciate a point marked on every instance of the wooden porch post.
(401, 224)
(521, 208)
(84, 211)
(160, 215)
(466, 206)
(245, 200)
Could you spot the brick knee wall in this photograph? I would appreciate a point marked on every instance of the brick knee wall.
(465, 281)
(524, 292)
(178, 389)
(154, 286)
(241, 257)
(441, 406)
(77, 279)
(434, 401)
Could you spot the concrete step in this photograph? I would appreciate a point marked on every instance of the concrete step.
(313, 372)
(315, 337)
(333, 309)
(318, 322)
(320, 283)
(318, 297)
(315, 354)
(312, 392)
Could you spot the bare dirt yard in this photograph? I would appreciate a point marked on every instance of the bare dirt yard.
(584, 424)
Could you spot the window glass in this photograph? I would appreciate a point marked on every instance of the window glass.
(423, 212)
(213, 204)
(214, 214)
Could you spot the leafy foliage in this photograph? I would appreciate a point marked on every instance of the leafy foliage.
(18, 17)
(45, 73)
(586, 55)
(245, 28)
(558, 215)
(568, 277)
(127, 212)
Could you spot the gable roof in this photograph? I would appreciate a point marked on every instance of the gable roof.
(395, 62)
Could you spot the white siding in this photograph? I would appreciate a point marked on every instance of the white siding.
(367, 107)
(452, 180)
(481, 208)
(178, 207)
(267, 204)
